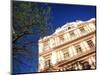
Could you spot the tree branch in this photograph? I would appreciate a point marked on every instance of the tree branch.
(14, 40)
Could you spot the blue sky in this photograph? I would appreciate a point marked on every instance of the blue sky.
(64, 13)
(60, 14)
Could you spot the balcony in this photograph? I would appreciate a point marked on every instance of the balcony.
(79, 56)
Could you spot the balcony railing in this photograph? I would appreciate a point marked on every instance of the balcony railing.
(77, 57)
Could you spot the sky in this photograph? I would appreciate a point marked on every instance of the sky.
(60, 15)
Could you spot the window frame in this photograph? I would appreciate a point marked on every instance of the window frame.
(78, 48)
(90, 43)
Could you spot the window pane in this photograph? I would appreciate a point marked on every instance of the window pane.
(72, 34)
(82, 30)
(62, 39)
(47, 63)
(66, 55)
(90, 43)
(78, 49)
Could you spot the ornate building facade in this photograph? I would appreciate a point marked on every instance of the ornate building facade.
(70, 47)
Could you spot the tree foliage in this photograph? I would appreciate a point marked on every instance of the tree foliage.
(28, 18)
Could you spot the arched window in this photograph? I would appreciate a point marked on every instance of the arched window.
(86, 66)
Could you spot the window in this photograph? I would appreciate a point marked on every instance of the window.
(47, 63)
(69, 27)
(66, 55)
(46, 45)
(86, 66)
(78, 49)
(90, 43)
(72, 34)
(62, 39)
(82, 30)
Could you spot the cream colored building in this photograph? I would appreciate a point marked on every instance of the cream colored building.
(70, 47)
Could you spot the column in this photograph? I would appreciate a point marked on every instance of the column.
(57, 40)
(51, 42)
(92, 26)
(66, 37)
(58, 56)
(74, 50)
(42, 62)
(40, 47)
(93, 39)
(92, 62)
(61, 55)
(86, 45)
(71, 51)
(83, 46)
(87, 28)
(77, 33)
(79, 66)
(54, 58)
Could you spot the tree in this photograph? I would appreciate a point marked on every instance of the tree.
(28, 19)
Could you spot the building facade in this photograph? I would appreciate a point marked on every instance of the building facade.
(70, 47)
